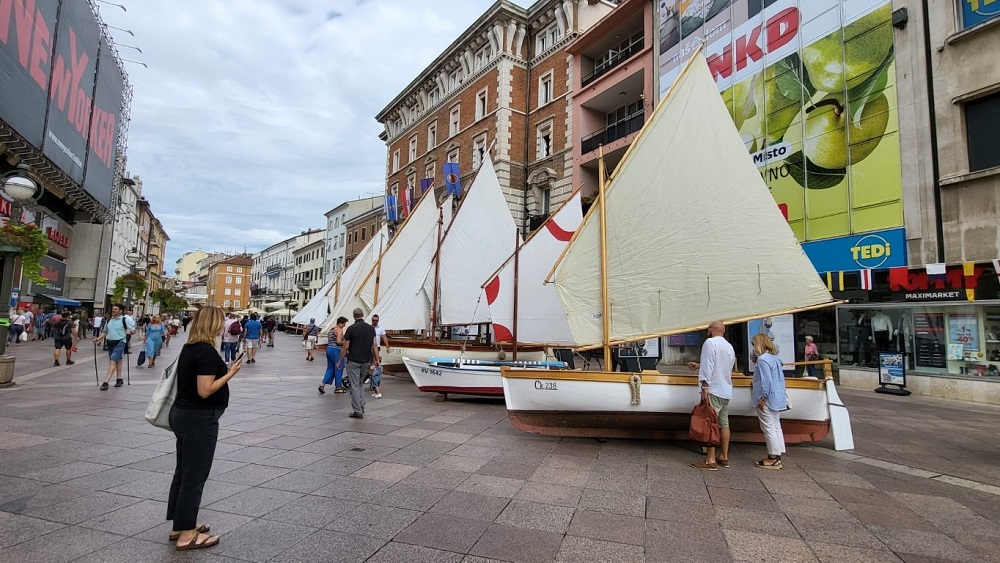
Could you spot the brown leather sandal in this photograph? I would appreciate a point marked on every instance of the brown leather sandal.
(201, 529)
(201, 541)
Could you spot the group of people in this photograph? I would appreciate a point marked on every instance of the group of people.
(246, 335)
(337, 353)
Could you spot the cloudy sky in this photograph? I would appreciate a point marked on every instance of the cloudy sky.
(257, 116)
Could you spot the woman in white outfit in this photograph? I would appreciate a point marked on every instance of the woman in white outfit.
(768, 396)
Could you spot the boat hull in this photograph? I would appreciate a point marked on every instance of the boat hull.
(422, 350)
(463, 379)
(598, 404)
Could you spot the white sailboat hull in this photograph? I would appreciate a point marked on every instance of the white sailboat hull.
(423, 350)
(464, 379)
(598, 404)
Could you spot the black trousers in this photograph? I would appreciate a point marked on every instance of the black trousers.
(197, 433)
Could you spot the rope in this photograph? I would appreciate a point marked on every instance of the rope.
(634, 383)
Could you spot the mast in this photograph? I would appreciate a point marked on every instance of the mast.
(605, 307)
(378, 271)
(517, 250)
(437, 276)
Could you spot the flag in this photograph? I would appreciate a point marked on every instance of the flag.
(969, 270)
(835, 281)
(404, 198)
(390, 208)
(996, 267)
(936, 272)
(452, 180)
(867, 279)
(425, 184)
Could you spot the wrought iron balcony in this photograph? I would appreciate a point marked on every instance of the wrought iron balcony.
(613, 132)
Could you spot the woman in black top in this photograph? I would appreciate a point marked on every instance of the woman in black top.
(202, 397)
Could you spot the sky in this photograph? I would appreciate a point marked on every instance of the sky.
(255, 117)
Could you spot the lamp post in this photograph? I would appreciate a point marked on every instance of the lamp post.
(133, 257)
(20, 188)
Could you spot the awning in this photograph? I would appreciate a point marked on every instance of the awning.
(63, 301)
(274, 305)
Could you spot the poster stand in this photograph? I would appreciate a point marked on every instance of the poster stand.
(892, 372)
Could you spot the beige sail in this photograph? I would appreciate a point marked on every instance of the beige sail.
(693, 234)
(350, 281)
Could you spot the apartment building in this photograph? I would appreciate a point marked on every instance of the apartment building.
(229, 283)
(336, 231)
(505, 80)
(360, 230)
(308, 270)
(271, 278)
(186, 268)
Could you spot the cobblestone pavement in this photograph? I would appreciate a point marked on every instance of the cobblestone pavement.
(84, 478)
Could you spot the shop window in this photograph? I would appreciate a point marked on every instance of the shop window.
(982, 124)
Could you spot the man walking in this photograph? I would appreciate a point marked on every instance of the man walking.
(96, 324)
(269, 326)
(310, 334)
(232, 331)
(63, 333)
(115, 331)
(715, 375)
(380, 340)
(359, 350)
(252, 341)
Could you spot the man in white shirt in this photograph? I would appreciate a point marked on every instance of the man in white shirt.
(715, 375)
(380, 340)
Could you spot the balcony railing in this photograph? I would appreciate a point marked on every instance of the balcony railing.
(613, 132)
(614, 60)
(274, 268)
(535, 221)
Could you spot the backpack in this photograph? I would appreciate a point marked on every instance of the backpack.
(62, 329)
(235, 329)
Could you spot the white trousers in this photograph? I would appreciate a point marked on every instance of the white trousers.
(770, 425)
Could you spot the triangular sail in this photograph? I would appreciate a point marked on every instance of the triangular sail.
(693, 234)
(406, 303)
(318, 307)
(540, 319)
(350, 281)
(480, 238)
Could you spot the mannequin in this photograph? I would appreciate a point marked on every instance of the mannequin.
(862, 340)
(904, 339)
(881, 331)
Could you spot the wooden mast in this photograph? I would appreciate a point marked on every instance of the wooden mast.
(437, 276)
(517, 251)
(605, 306)
(378, 272)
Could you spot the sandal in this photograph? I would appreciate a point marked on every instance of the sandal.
(722, 462)
(201, 529)
(768, 463)
(703, 464)
(199, 543)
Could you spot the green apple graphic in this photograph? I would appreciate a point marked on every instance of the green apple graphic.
(826, 143)
(739, 102)
(776, 110)
(869, 40)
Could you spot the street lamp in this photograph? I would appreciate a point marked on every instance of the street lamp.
(133, 257)
(20, 188)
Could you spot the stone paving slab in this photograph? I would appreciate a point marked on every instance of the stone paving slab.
(84, 478)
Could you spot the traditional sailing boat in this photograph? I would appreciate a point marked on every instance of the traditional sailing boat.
(685, 233)
(341, 294)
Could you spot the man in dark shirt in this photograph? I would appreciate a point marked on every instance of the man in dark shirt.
(359, 350)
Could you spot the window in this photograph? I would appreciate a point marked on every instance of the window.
(482, 58)
(229, 268)
(226, 303)
(481, 104)
(432, 135)
(341, 239)
(413, 148)
(238, 292)
(478, 151)
(453, 155)
(434, 97)
(239, 280)
(975, 12)
(544, 139)
(229, 279)
(227, 291)
(395, 160)
(982, 123)
(236, 304)
(544, 204)
(336, 222)
(362, 234)
(454, 120)
(454, 79)
(547, 38)
(545, 89)
(239, 270)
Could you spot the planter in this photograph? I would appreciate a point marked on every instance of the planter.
(7, 371)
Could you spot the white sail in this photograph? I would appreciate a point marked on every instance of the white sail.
(407, 240)
(406, 303)
(480, 238)
(540, 319)
(693, 234)
(343, 298)
(318, 307)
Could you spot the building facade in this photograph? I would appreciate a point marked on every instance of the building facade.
(359, 231)
(336, 231)
(272, 277)
(228, 284)
(309, 260)
(186, 268)
(504, 83)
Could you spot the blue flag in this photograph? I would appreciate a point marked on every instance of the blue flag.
(390, 208)
(452, 180)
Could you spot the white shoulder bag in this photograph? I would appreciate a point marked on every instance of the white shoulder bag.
(158, 411)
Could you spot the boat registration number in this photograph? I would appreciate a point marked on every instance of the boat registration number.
(546, 385)
(436, 372)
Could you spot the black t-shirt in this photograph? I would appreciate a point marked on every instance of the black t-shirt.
(200, 359)
(360, 337)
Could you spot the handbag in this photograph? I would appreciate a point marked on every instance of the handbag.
(142, 358)
(23, 337)
(704, 429)
(158, 411)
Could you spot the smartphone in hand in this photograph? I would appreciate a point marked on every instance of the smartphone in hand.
(240, 357)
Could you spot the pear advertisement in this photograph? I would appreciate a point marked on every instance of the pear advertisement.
(811, 87)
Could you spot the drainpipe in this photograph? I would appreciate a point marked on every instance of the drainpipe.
(932, 115)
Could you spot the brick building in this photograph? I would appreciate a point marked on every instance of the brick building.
(507, 80)
(229, 283)
(360, 230)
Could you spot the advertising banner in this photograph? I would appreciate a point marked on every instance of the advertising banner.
(881, 249)
(963, 330)
(26, 30)
(54, 271)
(811, 88)
(781, 331)
(891, 370)
(104, 128)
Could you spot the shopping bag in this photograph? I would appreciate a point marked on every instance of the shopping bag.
(158, 411)
(23, 337)
(704, 429)
(142, 358)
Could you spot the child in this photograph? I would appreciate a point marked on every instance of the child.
(375, 374)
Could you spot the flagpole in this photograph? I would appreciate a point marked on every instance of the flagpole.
(605, 307)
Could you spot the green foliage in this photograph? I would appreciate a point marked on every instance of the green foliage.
(131, 280)
(33, 244)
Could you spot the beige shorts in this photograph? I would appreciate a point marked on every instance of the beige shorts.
(721, 407)
(251, 343)
(311, 342)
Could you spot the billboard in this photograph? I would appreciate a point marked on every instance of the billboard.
(811, 87)
(49, 78)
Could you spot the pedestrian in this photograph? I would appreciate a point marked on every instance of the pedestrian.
(358, 351)
(811, 355)
(202, 397)
(309, 335)
(768, 396)
(36, 324)
(269, 327)
(715, 376)
(186, 321)
(334, 371)
(96, 323)
(17, 325)
(376, 370)
(82, 328)
(63, 333)
(154, 339)
(231, 334)
(115, 331)
(175, 327)
(252, 330)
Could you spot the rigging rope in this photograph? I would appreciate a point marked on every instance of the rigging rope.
(634, 384)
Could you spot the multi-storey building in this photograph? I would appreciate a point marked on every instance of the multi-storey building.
(336, 232)
(187, 265)
(272, 275)
(505, 80)
(308, 271)
(360, 230)
(229, 283)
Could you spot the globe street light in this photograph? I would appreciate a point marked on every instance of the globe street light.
(20, 188)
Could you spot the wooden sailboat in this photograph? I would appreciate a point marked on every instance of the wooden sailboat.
(341, 294)
(685, 233)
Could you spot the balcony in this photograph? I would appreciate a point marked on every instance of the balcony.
(619, 55)
(274, 268)
(618, 130)
(535, 221)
